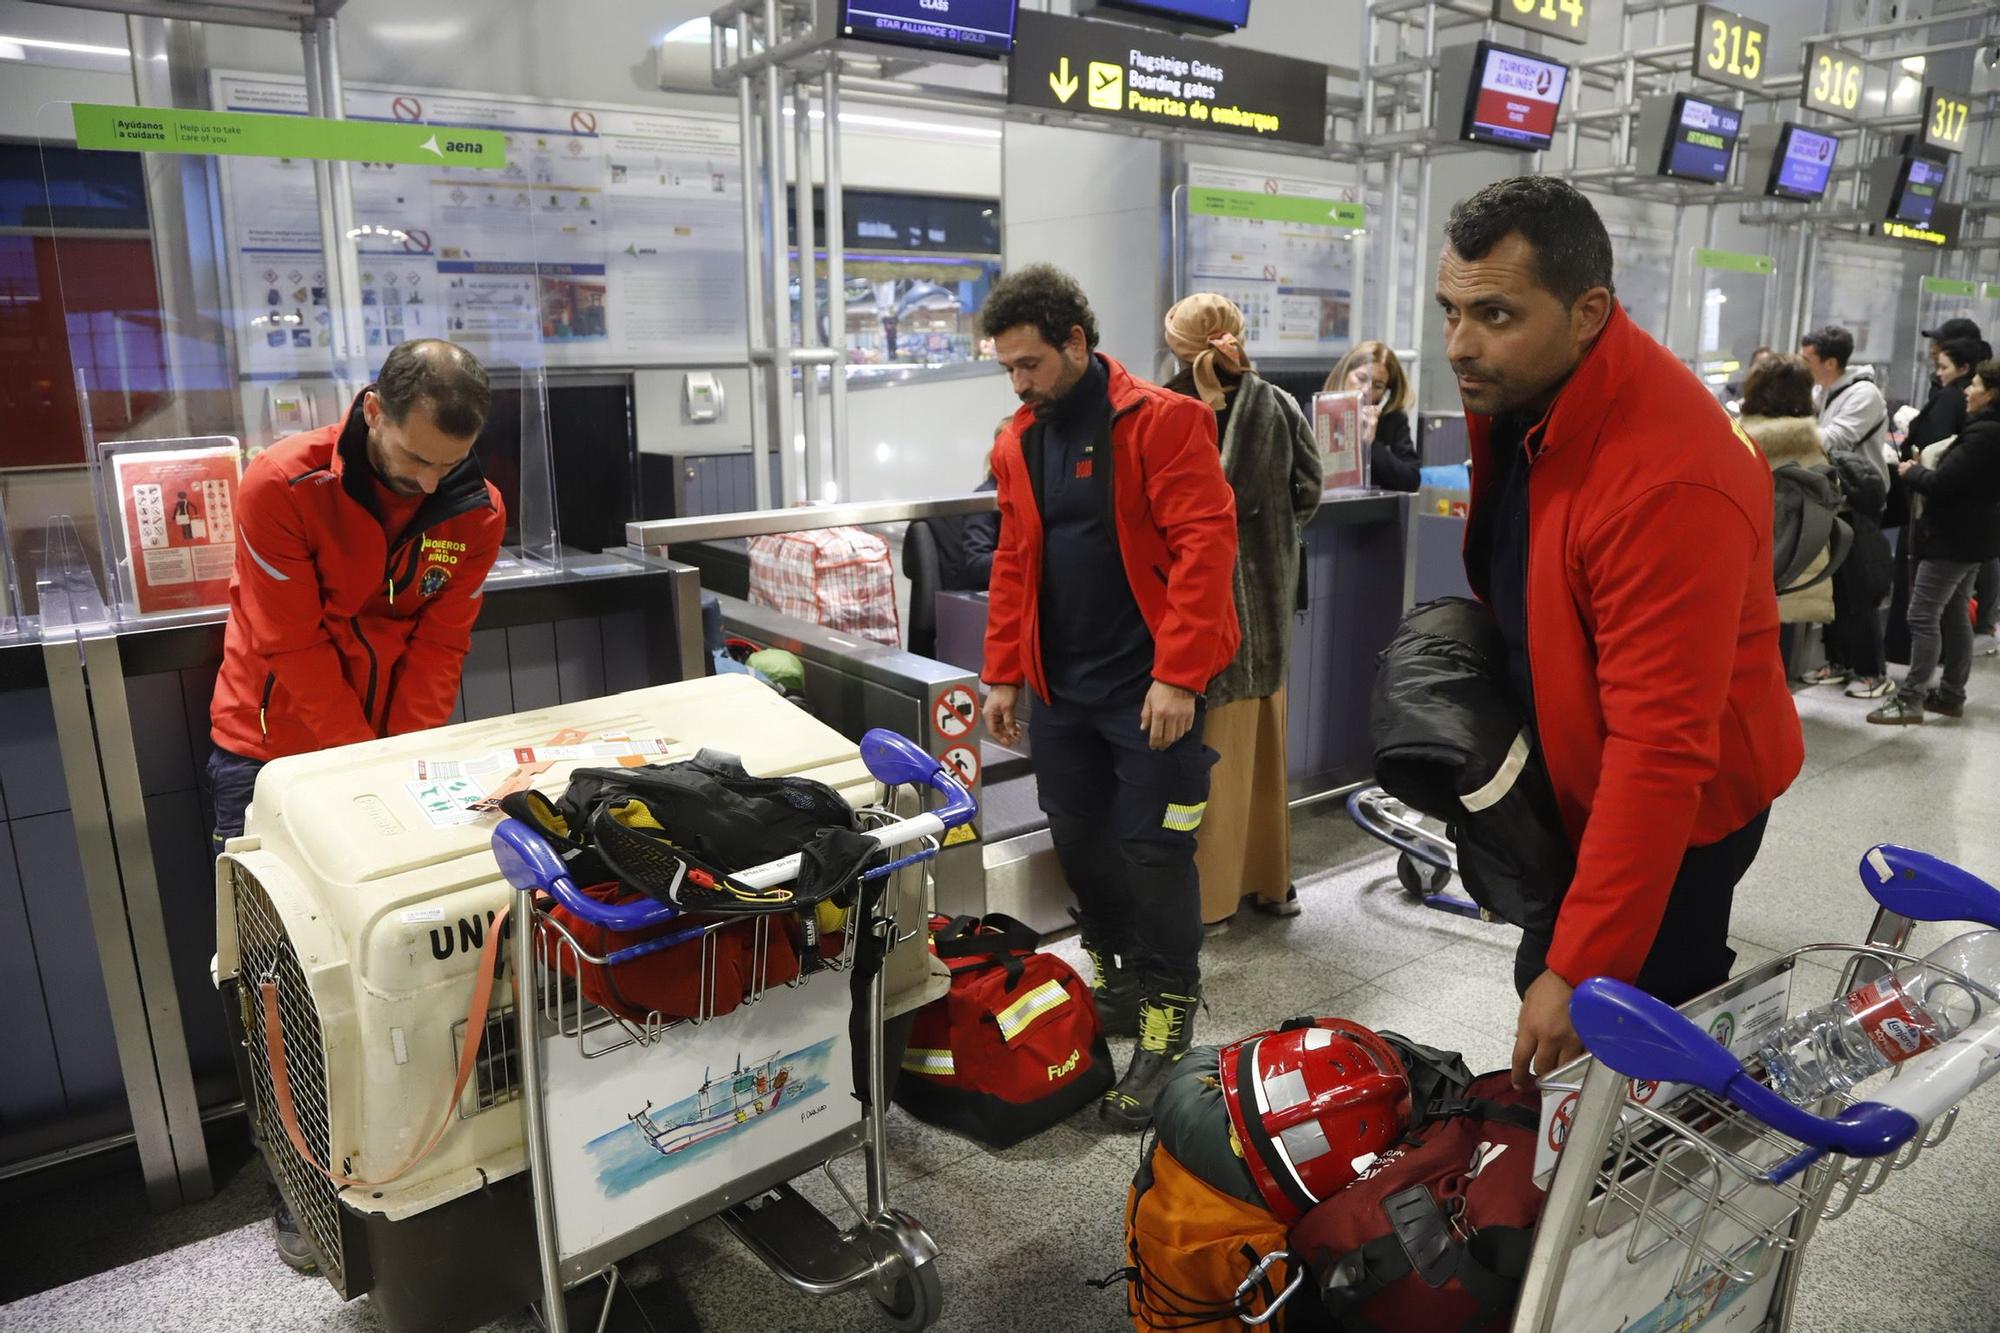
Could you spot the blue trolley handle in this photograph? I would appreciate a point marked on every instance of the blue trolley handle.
(1924, 888)
(1644, 1038)
(529, 863)
(1365, 820)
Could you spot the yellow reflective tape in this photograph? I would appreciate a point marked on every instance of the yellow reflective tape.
(1184, 818)
(936, 1063)
(1016, 1017)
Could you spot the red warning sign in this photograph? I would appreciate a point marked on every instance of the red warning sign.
(963, 763)
(1559, 1122)
(1644, 1090)
(583, 122)
(406, 108)
(955, 712)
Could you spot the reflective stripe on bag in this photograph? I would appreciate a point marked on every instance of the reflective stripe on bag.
(1015, 1018)
(938, 1064)
(1184, 818)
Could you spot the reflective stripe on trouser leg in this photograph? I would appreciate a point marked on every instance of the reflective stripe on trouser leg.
(1184, 818)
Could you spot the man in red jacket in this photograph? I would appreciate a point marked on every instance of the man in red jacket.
(1112, 596)
(360, 553)
(1621, 535)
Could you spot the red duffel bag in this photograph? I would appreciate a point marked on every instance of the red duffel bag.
(669, 982)
(1013, 1047)
(1435, 1233)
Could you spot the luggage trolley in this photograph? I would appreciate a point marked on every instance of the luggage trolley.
(613, 1170)
(1686, 1190)
(1682, 1191)
(1426, 861)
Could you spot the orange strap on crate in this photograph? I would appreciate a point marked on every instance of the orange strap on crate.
(468, 1057)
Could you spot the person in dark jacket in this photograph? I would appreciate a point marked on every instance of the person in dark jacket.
(1957, 522)
(1272, 463)
(1942, 417)
(1372, 370)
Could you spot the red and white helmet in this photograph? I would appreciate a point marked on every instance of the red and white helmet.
(1306, 1101)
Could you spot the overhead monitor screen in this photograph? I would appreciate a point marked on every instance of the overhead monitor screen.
(1700, 140)
(958, 27)
(1514, 99)
(1917, 190)
(1206, 15)
(1803, 164)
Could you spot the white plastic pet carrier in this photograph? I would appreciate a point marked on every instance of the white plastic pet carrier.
(364, 886)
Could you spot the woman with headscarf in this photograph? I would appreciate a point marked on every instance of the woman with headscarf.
(1272, 462)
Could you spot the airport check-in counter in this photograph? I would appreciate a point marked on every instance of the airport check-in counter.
(1356, 560)
(107, 881)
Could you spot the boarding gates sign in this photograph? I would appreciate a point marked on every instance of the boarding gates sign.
(1142, 77)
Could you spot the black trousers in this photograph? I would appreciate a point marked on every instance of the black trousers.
(1123, 818)
(1854, 639)
(1691, 954)
(232, 780)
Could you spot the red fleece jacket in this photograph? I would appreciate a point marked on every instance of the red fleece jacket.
(1660, 694)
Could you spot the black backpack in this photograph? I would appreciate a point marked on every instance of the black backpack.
(1807, 522)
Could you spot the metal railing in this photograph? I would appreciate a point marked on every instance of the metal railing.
(655, 535)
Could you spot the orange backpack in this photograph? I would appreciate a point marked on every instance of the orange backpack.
(1190, 1249)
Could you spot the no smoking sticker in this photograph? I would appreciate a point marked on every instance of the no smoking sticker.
(955, 712)
(962, 762)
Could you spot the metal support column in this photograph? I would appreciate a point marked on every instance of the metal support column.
(802, 212)
(778, 313)
(335, 188)
(836, 288)
(120, 889)
(761, 373)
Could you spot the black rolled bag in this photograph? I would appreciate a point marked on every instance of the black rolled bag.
(1451, 742)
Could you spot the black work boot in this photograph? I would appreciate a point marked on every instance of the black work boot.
(1166, 1030)
(1115, 990)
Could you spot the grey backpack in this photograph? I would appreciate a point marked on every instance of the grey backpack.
(1807, 523)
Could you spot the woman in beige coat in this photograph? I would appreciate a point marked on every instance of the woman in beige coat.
(1778, 414)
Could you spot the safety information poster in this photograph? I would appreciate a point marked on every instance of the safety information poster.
(1282, 250)
(611, 237)
(178, 511)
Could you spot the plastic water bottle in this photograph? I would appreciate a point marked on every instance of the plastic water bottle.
(1912, 1010)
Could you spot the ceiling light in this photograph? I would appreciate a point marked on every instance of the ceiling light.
(74, 48)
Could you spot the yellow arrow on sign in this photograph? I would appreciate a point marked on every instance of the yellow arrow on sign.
(1064, 84)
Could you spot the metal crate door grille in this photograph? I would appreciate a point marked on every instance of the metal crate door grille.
(264, 949)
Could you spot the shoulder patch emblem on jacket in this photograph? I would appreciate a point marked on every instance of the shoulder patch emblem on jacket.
(433, 580)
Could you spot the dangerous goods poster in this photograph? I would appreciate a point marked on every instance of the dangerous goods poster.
(610, 237)
(177, 511)
(1283, 250)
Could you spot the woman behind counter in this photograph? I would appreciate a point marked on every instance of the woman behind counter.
(1373, 371)
(1272, 462)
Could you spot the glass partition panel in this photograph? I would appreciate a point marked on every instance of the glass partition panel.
(1940, 299)
(243, 274)
(1861, 288)
(1729, 322)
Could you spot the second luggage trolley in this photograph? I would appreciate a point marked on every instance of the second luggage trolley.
(1682, 1191)
(640, 1128)
(1426, 859)
(1686, 1191)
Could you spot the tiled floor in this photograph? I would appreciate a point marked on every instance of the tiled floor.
(1024, 1230)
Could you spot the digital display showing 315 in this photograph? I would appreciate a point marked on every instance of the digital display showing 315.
(966, 27)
